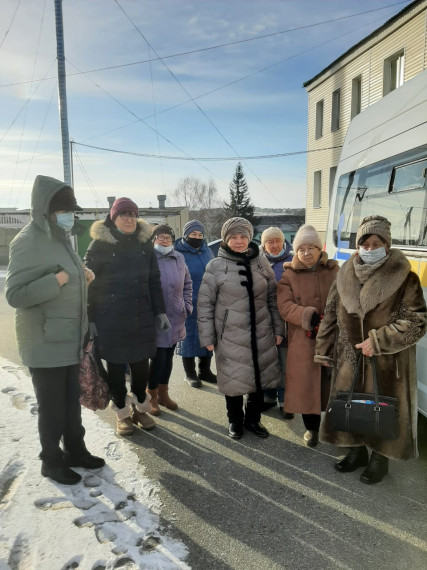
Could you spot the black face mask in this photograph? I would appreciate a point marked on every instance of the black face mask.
(194, 242)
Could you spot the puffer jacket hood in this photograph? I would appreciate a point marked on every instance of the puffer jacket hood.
(44, 189)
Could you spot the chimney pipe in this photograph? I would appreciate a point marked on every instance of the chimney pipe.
(111, 200)
(162, 200)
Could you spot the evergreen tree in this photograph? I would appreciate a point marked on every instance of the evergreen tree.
(240, 203)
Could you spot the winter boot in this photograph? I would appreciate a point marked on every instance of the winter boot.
(311, 438)
(139, 413)
(164, 399)
(376, 469)
(356, 457)
(191, 378)
(154, 410)
(205, 372)
(124, 425)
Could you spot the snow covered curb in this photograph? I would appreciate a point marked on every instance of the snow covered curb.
(109, 520)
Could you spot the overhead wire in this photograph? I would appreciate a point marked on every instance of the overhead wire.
(10, 24)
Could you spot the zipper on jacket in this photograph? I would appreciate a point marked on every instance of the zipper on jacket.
(224, 322)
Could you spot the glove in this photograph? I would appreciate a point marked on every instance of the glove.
(92, 330)
(163, 322)
(315, 320)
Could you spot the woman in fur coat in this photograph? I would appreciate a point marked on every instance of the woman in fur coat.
(238, 318)
(376, 306)
(125, 301)
(301, 299)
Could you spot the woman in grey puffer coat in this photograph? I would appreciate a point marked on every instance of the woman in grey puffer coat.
(238, 318)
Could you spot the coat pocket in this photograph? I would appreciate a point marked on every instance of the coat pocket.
(61, 329)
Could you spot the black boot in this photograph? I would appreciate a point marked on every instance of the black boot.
(375, 471)
(356, 457)
(189, 364)
(61, 474)
(205, 372)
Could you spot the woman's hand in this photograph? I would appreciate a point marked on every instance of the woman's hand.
(210, 347)
(89, 274)
(279, 339)
(62, 277)
(366, 346)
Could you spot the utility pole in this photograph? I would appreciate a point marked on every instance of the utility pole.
(62, 91)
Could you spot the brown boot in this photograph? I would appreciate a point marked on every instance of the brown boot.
(155, 410)
(124, 426)
(142, 419)
(164, 399)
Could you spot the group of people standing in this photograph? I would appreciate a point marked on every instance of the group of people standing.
(283, 327)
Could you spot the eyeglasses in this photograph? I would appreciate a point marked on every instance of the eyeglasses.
(127, 216)
(166, 239)
(308, 251)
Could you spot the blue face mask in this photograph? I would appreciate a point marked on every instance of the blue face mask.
(275, 256)
(372, 256)
(163, 249)
(65, 221)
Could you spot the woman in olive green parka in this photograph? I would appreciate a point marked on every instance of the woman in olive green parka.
(47, 285)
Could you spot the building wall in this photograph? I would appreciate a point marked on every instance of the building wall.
(407, 32)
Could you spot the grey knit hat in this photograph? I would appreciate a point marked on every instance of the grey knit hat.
(235, 226)
(376, 225)
(306, 235)
(271, 233)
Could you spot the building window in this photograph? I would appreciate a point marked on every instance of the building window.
(332, 172)
(356, 96)
(336, 109)
(394, 67)
(317, 189)
(319, 119)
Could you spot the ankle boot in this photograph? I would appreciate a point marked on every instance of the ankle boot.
(164, 399)
(191, 378)
(205, 372)
(154, 402)
(356, 457)
(124, 425)
(376, 469)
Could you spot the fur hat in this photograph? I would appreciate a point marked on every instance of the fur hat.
(235, 226)
(271, 233)
(193, 226)
(376, 225)
(163, 229)
(65, 200)
(306, 235)
(123, 205)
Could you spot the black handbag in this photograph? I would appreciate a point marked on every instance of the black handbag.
(365, 414)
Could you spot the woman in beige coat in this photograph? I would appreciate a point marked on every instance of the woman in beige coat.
(377, 307)
(301, 299)
(238, 318)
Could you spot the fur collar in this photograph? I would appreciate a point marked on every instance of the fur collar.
(383, 283)
(297, 265)
(101, 230)
(251, 253)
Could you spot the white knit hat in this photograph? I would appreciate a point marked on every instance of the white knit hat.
(271, 233)
(306, 235)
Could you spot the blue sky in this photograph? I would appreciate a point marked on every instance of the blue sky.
(248, 98)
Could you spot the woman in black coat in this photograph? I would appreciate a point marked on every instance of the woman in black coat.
(124, 300)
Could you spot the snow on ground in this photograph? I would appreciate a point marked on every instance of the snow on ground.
(109, 520)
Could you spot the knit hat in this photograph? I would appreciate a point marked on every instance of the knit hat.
(271, 233)
(235, 226)
(193, 226)
(376, 225)
(123, 205)
(163, 229)
(306, 235)
(65, 200)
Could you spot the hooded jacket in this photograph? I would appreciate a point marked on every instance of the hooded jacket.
(196, 261)
(126, 293)
(237, 313)
(51, 321)
(390, 310)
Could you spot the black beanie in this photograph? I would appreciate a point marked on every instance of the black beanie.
(65, 200)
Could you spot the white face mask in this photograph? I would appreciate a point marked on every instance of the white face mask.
(372, 256)
(65, 221)
(163, 249)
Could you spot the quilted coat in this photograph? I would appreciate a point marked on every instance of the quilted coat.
(177, 293)
(390, 310)
(237, 313)
(196, 260)
(51, 321)
(300, 293)
(126, 293)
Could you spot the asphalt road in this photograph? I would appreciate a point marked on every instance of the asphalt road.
(270, 504)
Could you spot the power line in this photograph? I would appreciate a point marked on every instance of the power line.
(218, 46)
